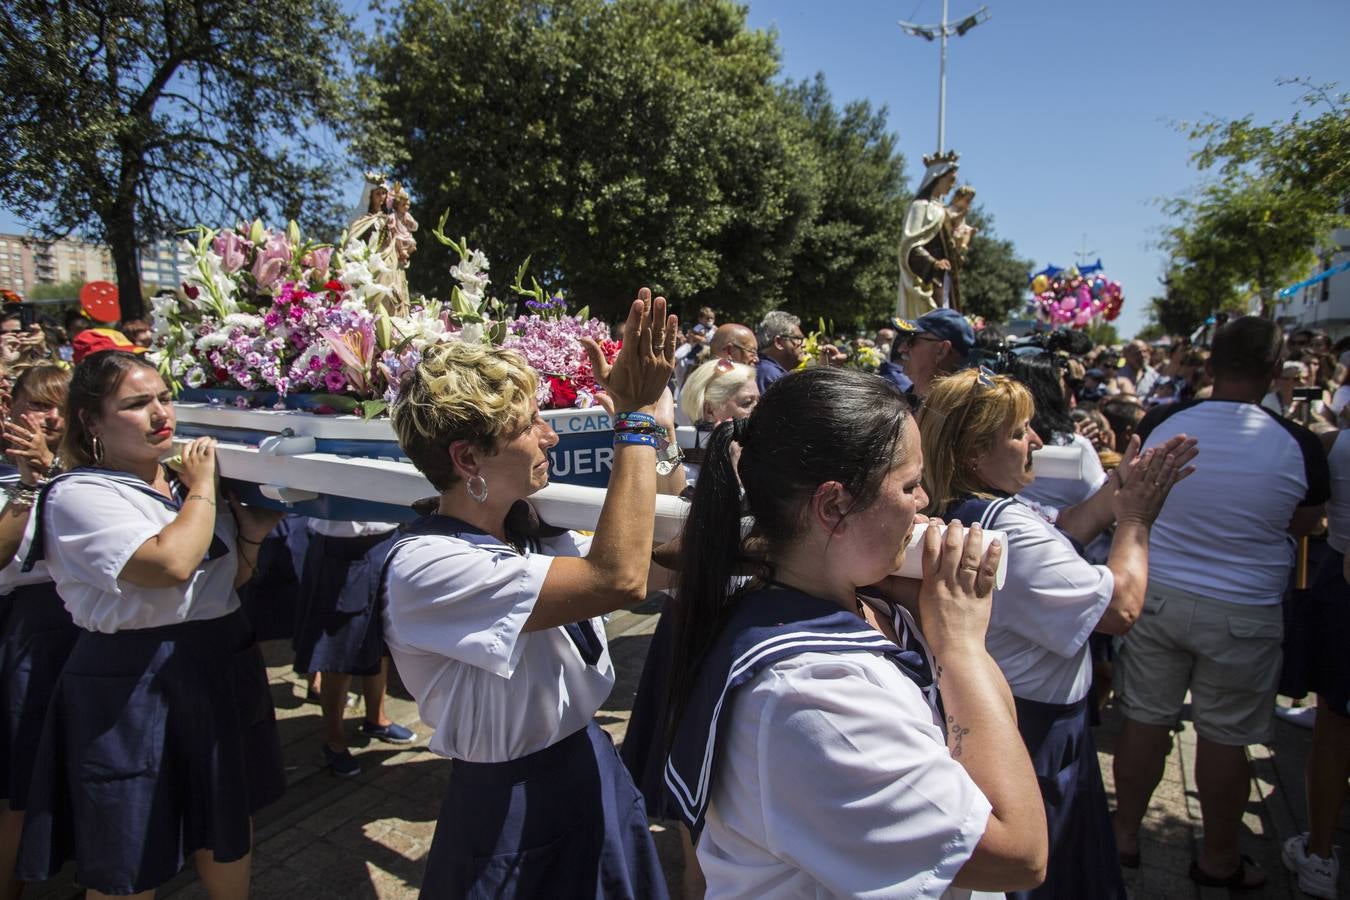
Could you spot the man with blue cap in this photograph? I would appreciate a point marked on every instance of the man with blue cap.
(936, 343)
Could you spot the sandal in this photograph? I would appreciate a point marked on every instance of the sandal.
(1234, 882)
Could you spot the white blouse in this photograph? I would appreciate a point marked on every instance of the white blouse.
(1046, 610)
(13, 576)
(454, 622)
(836, 781)
(93, 524)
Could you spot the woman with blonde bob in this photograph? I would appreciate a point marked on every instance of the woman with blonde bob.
(977, 448)
(719, 390)
(494, 621)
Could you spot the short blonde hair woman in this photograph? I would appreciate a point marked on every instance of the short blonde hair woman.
(719, 390)
(493, 620)
(977, 450)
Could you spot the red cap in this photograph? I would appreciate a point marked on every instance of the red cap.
(94, 340)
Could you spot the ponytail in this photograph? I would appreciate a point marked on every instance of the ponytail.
(710, 556)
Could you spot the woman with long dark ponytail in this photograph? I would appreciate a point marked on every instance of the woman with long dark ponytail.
(821, 744)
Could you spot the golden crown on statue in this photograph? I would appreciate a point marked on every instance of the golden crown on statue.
(949, 158)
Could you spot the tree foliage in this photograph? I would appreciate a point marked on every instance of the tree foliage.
(845, 265)
(994, 278)
(1278, 192)
(126, 120)
(620, 143)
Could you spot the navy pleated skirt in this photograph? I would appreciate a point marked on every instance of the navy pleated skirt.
(563, 822)
(271, 597)
(36, 637)
(1083, 861)
(339, 627)
(159, 742)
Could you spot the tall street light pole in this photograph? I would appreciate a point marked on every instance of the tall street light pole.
(941, 32)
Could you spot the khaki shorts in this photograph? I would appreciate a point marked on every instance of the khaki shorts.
(1226, 654)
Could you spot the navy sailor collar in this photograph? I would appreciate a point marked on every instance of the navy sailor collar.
(768, 625)
(37, 551)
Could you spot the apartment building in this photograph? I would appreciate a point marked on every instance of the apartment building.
(27, 261)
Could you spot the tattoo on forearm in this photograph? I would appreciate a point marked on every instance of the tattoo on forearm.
(954, 735)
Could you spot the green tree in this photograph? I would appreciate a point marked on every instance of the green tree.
(1103, 333)
(845, 266)
(1278, 193)
(63, 290)
(126, 120)
(994, 277)
(617, 142)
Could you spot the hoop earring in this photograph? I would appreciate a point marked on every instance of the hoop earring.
(477, 488)
(96, 448)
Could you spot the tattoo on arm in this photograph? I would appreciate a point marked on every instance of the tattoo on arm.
(954, 735)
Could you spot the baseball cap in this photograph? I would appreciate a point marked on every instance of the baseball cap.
(95, 340)
(947, 324)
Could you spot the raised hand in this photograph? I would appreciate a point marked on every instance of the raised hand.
(1145, 484)
(643, 367)
(26, 444)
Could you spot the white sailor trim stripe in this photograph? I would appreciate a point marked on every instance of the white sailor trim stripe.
(992, 511)
(826, 641)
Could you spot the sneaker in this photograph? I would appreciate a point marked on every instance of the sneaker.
(1316, 876)
(341, 762)
(393, 733)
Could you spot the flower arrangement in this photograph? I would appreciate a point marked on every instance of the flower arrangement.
(1067, 297)
(550, 340)
(271, 311)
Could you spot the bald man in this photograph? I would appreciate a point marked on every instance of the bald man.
(734, 342)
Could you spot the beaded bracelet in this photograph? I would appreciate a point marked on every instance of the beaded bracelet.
(648, 440)
(627, 419)
(23, 496)
(658, 430)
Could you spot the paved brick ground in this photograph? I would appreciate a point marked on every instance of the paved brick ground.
(367, 837)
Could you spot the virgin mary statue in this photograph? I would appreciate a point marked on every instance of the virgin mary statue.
(928, 263)
(372, 223)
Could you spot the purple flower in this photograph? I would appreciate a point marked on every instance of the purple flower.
(334, 381)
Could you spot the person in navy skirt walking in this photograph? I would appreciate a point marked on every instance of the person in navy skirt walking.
(494, 622)
(160, 742)
(36, 631)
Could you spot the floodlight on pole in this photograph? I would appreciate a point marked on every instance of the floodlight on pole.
(942, 31)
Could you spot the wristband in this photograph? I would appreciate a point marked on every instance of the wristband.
(648, 440)
(629, 419)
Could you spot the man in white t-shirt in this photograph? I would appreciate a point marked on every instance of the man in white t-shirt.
(1220, 554)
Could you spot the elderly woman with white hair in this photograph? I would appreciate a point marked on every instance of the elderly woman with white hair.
(716, 391)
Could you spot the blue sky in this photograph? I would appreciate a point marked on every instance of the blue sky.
(1064, 113)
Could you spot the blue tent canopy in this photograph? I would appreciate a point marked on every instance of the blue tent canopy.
(1052, 270)
(1309, 282)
